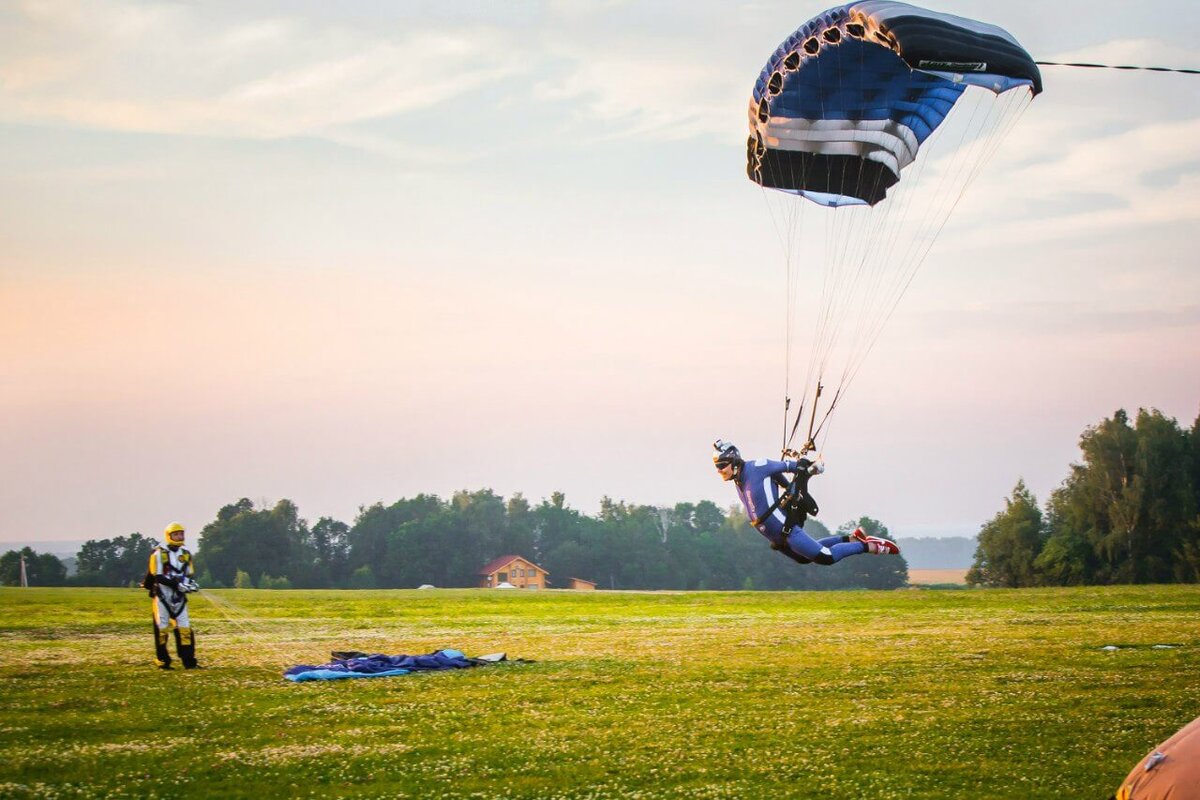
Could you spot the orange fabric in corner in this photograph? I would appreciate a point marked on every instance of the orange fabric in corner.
(1174, 772)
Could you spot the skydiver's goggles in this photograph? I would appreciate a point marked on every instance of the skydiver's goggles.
(725, 462)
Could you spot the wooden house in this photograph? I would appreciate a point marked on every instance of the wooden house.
(514, 570)
(580, 585)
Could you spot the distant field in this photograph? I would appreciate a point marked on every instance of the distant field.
(920, 577)
(905, 694)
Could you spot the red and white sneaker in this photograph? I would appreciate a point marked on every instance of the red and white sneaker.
(882, 547)
(859, 536)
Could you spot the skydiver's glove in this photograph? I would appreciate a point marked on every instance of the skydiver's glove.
(187, 585)
(815, 468)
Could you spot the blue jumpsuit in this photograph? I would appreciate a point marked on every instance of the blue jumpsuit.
(758, 491)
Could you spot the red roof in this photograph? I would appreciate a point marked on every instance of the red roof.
(501, 562)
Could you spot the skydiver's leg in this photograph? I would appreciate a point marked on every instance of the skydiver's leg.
(830, 541)
(823, 552)
(185, 639)
(793, 555)
(161, 657)
(779, 542)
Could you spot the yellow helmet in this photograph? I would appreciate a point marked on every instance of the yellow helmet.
(173, 533)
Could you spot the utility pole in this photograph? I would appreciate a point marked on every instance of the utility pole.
(24, 575)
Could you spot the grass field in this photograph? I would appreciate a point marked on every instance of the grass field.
(920, 694)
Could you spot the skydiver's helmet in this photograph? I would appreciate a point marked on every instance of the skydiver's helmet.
(173, 534)
(727, 459)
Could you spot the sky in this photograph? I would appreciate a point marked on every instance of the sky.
(347, 253)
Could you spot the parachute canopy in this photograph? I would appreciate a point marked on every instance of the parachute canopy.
(846, 101)
(867, 125)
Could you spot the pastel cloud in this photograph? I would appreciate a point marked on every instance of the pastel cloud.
(175, 69)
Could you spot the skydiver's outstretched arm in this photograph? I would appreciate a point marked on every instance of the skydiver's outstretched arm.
(780, 467)
(789, 466)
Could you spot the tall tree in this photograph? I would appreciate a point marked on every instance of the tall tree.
(520, 528)
(1161, 464)
(373, 540)
(1010, 543)
(330, 542)
(113, 562)
(1187, 557)
(41, 569)
(274, 542)
(1125, 513)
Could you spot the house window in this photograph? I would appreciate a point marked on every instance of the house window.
(502, 577)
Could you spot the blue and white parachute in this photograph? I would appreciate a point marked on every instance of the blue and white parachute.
(881, 113)
(847, 100)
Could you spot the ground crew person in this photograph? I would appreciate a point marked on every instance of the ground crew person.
(169, 581)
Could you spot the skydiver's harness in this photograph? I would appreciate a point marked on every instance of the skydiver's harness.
(151, 581)
(794, 499)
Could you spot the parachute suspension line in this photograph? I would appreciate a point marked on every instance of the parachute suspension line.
(858, 269)
(808, 441)
(864, 226)
(877, 292)
(1184, 71)
(791, 299)
(788, 218)
(785, 225)
(787, 442)
(793, 289)
(793, 293)
(969, 161)
(861, 126)
(813, 367)
(870, 268)
(838, 224)
(1015, 103)
(825, 418)
(241, 620)
(787, 402)
(986, 146)
(926, 228)
(851, 239)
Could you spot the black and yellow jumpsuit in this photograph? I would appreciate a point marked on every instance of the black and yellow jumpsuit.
(168, 566)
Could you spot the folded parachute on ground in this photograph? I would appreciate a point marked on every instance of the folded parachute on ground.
(843, 105)
(361, 665)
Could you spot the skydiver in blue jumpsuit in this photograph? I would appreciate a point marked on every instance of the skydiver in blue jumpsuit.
(775, 496)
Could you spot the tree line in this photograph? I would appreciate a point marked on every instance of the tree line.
(1129, 512)
(444, 542)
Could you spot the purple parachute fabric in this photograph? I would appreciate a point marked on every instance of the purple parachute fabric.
(379, 666)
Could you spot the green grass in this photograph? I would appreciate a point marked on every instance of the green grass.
(919, 694)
